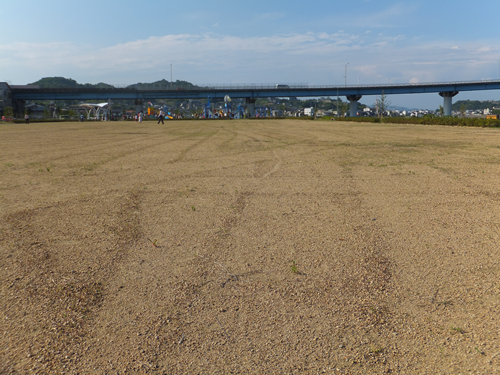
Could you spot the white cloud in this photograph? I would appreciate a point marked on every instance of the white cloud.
(484, 49)
(394, 15)
(315, 58)
(270, 16)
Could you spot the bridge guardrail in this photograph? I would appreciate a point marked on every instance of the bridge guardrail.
(247, 86)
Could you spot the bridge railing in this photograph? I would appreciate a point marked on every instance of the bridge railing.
(267, 86)
(245, 86)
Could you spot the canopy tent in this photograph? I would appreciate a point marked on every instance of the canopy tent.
(95, 109)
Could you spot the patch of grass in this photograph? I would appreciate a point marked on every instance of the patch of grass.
(376, 349)
(90, 167)
(479, 351)
(445, 303)
(193, 208)
(154, 243)
(456, 330)
(294, 268)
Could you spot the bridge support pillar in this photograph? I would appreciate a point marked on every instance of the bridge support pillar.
(138, 105)
(447, 95)
(19, 108)
(353, 105)
(251, 106)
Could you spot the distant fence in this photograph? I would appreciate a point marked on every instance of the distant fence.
(276, 86)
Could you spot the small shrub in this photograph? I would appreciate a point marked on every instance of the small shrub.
(428, 120)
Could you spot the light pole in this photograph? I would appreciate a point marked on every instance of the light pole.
(346, 73)
(337, 102)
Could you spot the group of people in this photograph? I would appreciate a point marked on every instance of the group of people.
(138, 117)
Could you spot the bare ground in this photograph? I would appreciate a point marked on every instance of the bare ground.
(244, 246)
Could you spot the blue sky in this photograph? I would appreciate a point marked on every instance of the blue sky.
(274, 41)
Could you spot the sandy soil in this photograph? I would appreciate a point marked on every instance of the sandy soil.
(264, 247)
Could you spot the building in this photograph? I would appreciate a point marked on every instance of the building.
(5, 96)
(35, 110)
(309, 111)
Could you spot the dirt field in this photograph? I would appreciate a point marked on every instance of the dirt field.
(264, 247)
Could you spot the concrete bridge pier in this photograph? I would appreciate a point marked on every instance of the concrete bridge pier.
(353, 105)
(19, 108)
(251, 106)
(447, 95)
(138, 105)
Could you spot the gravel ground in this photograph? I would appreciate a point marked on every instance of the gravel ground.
(249, 246)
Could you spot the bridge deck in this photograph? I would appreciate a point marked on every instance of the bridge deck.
(246, 91)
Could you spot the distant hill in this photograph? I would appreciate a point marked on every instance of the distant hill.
(61, 82)
(473, 105)
(164, 84)
(56, 82)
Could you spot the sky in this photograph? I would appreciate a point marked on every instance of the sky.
(320, 42)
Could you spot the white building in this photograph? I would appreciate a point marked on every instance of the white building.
(309, 111)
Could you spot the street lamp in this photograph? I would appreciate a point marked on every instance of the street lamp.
(337, 102)
(346, 73)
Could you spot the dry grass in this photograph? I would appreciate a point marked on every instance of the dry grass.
(249, 246)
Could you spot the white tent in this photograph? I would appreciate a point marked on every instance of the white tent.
(95, 109)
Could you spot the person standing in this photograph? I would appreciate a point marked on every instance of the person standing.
(26, 118)
(140, 116)
(160, 117)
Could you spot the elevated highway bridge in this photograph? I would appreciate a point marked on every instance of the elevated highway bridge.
(20, 94)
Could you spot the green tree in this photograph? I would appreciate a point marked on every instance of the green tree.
(344, 108)
(8, 111)
(441, 111)
(382, 104)
(462, 110)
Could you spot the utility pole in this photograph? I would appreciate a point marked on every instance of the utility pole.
(337, 102)
(346, 74)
